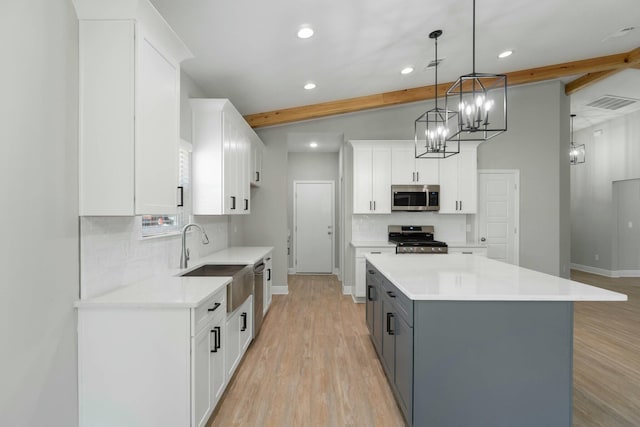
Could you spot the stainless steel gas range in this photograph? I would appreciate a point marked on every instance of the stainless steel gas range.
(415, 239)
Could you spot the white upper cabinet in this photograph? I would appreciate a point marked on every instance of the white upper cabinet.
(406, 169)
(129, 72)
(459, 182)
(222, 146)
(257, 154)
(371, 177)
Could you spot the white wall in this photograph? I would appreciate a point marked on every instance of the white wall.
(612, 154)
(534, 143)
(39, 208)
(313, 167)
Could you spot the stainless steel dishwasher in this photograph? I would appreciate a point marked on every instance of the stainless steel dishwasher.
(258, 296)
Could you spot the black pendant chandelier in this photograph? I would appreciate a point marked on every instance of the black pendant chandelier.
(480, 100)
(577, 152)
(433, 128)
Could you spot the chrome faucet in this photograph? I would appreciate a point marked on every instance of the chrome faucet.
(184, 256)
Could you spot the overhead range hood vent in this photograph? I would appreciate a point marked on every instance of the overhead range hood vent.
(612, 102)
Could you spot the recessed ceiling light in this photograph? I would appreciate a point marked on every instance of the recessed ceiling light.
(313, 144)
(505, 54)
(407, 70)
(310, 86)
(305, 32)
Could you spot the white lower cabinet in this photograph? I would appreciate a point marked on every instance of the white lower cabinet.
(359, 286)
(151, 366)
(208, 373)
(239, 335)
(467, 250)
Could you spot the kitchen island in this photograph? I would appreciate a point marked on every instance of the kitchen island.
(466, 340)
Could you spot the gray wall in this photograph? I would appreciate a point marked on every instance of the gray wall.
(535, 144)
(626, 199)
(314, 167)
(39, 210)
(612, 154)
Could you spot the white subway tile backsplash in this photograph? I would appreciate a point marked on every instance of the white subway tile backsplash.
(368, 228)
(113, 254)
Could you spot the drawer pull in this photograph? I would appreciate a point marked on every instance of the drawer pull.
(376, 252)
(215, 307)
(371, 272)
(391, 294)
(467, 253)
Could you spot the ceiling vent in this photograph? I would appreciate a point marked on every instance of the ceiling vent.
(611, 102)
(433, 63)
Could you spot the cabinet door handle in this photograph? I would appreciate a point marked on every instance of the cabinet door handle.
(413, 177)
(246, 204)
(233, 202)
(456, 205)
(417, 176)
(244, 322)
(218, 338)
(269, 273)
(257, 176)
(215, 340)
(370, 205)
(389, 330)
(460, 204)
(369, 298)
(215, 307)
(391, 294)
(181, 196)
(374, 205)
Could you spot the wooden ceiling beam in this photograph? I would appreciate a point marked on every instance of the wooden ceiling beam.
(588, 79)
(597, 67)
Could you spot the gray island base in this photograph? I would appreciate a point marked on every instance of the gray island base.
(458, 353)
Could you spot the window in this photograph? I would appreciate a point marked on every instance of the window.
(156, 225)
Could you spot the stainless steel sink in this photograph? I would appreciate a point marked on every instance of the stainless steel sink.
(241, 285)
(215, 270)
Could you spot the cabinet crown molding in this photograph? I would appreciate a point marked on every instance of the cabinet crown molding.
(141, 11)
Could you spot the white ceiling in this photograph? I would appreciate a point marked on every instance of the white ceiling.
(247, 50)
(327, 142)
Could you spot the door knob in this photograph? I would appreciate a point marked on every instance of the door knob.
(482, 239)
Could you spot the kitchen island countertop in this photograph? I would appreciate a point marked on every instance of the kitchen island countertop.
(456, 277)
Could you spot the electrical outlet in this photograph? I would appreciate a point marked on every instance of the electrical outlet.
(597, 257)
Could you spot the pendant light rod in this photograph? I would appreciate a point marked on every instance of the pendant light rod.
(434, 35)
(474, 37)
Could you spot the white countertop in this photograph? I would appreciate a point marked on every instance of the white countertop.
(175, 291)
(169, 291)
(374, 244)
(457, 277)
(234, 255)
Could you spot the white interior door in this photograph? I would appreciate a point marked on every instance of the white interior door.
(313, 228)
(498, 214)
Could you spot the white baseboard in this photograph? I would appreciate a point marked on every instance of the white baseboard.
(292, 271)
(280, 290)
(358, 300)
(336, 271)
(346, 290)
(594, 270)
(628, 273)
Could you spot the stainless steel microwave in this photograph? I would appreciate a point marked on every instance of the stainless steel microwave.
(415, 197)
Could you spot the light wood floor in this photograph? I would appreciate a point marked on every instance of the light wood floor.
(314, 365)
(606, 356)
